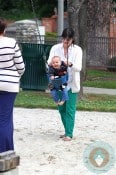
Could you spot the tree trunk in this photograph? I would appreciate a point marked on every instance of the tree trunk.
(77, 14)
(73, 9)
(98, 15)
(88, 18)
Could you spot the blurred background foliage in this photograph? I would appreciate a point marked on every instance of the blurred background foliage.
(21, 9)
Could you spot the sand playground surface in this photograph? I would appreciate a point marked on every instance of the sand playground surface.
(42, 152)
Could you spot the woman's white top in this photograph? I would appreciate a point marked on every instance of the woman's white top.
(11, 65)
(75, 57)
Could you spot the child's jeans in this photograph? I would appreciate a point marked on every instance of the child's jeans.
(55, 94)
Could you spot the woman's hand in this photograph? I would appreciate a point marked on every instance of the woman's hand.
(68, 63)
(52, 77)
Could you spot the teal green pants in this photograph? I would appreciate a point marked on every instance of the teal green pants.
(67, 112)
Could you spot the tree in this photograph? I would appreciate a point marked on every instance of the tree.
(88, 17)
(98, 14)
(4, 5)
(77, 10)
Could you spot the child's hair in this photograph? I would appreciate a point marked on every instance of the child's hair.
(55, 57)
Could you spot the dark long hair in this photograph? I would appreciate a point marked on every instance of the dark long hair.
(68, 33)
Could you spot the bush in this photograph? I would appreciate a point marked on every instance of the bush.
(111, 66)
(51, 34)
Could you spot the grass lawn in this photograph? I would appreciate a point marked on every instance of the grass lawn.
(90, 102)
(100, 79)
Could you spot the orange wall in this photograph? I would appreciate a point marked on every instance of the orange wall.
(51, 23)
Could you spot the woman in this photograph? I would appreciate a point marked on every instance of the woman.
(72, 55)
(11, 69)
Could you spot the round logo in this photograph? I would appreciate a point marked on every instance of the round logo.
(99, 157)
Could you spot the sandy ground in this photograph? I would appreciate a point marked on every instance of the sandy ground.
(41, 150)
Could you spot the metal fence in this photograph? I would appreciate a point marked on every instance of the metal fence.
(101, 51)
(35, 56)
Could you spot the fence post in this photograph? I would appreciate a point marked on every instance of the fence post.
(8, 163)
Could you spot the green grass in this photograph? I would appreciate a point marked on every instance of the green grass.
(100, 79)
(90, 102)
(34, 99)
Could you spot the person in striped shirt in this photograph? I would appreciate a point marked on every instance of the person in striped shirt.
(12, 68)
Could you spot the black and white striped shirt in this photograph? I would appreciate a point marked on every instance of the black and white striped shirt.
(11, 65)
